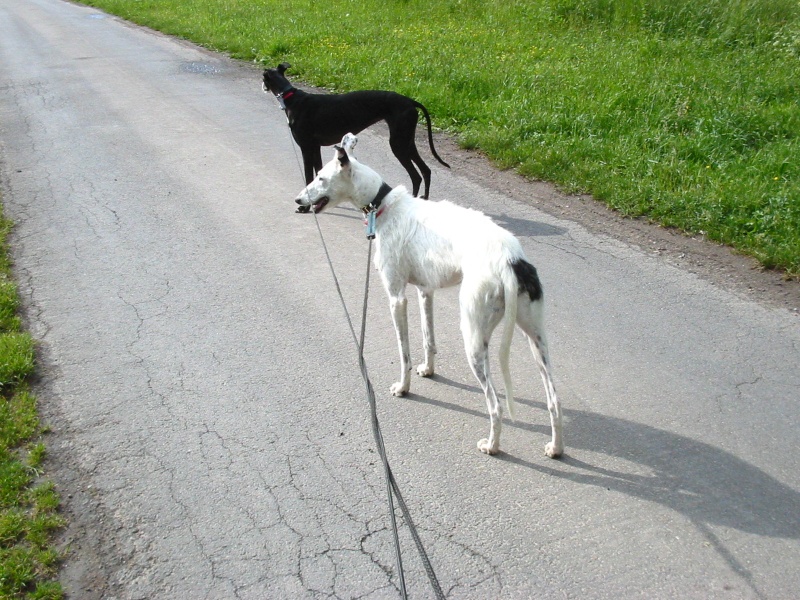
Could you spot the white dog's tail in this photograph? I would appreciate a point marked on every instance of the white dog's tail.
(510, 291)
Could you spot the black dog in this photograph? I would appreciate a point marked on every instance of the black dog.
(322, 119)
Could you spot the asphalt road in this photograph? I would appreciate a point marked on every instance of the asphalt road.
(210, 431)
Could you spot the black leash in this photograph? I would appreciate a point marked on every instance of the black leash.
(393, 490)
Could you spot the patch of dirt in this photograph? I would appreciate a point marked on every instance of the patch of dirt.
(713, 262)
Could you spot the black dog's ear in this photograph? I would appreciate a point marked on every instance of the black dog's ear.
(344, 159)
(282, 67)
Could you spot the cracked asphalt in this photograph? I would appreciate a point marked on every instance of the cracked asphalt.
(210, 434)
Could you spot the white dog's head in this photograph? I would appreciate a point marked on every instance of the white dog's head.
(343, 179)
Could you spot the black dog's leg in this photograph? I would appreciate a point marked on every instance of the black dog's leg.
(312, 163)
(401, 140)
(423, 168)
(402, 155)
(309, 162)
(317, 160)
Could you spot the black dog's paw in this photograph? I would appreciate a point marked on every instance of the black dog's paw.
(303, 209)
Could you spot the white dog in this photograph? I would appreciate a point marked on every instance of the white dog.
(438, 244)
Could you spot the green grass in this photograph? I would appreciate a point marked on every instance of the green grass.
(28, 506)
(682, 111)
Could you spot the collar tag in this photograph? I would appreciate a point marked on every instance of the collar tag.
(373, 210)
(371, 224)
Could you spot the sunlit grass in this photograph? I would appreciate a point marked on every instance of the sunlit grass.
(683, 111)
(28, 506)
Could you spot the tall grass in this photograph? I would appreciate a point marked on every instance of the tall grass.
(683, 111)
(737, 22)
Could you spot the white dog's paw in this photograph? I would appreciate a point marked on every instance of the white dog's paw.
(551, 451)
(424, 370)
(486, 448)
(398, 389)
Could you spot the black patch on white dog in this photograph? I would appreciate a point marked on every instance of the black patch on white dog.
(527, 278)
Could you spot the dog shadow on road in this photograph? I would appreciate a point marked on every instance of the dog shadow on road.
(708, 485)
(705, 483)
(527, 228)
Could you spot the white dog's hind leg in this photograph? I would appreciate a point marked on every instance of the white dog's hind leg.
(531, 321)
(479, 317)
(399, 304)
(428, 340)
(478, 356)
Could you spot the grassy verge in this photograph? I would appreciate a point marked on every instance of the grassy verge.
(682, 111)
(28, 506)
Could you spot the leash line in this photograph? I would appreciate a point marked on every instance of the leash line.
(379, 442)
(393, 490)
(371, 398)
(376, 431)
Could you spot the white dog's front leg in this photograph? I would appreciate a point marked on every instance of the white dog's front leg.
(428, 341)
(399, 307)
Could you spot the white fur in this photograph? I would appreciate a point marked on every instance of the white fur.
(438, 244)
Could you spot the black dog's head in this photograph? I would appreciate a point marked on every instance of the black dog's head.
(274, 80)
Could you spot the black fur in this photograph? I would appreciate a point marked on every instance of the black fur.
(528, 279)
(322, 119)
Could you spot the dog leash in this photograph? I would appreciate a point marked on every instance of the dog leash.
(376, 430)
(393, 490)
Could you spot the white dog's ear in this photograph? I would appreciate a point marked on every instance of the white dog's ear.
(341, 154)
(349, 142)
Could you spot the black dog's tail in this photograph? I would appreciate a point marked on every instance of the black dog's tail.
(430, 132)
